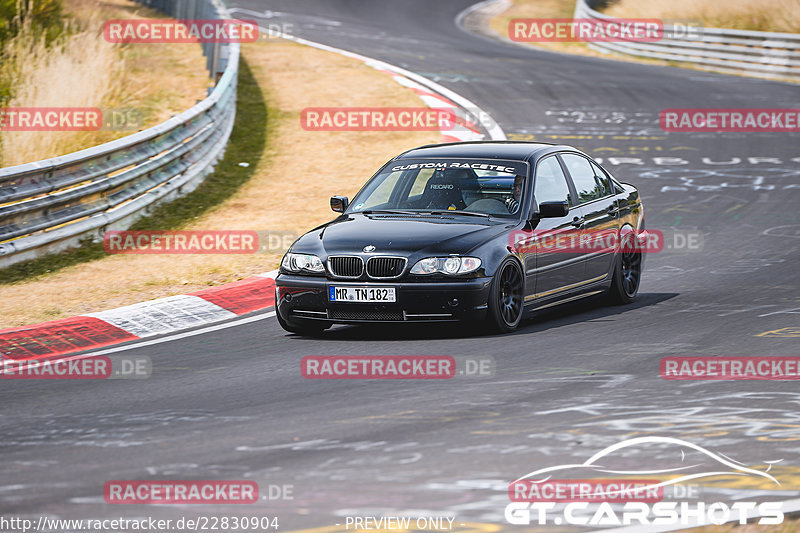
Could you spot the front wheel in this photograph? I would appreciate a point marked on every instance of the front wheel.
(306, 328)
(506, 297)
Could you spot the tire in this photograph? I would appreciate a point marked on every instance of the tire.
(305, 328)
(506, 297)
(627, 273)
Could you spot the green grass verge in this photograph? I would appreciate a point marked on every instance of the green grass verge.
(247, 143)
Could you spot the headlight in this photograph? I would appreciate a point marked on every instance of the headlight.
(452, 265)
(302, 263)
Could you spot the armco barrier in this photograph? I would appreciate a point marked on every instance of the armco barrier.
(51, 205)
(755, 53)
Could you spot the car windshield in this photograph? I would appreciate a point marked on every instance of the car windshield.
(487, 187)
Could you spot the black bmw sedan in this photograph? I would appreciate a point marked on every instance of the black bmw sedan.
(477, 231)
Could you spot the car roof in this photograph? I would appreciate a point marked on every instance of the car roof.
(513, 150)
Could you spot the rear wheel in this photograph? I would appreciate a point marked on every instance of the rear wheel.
(306, 328)
(627, 274)
(506, 297)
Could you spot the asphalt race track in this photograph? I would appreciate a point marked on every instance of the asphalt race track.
(231, 404)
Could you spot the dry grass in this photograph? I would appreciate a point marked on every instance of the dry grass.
(766, 15)
(760, 15)
(83, 70)
(289, 189)
(563, 9)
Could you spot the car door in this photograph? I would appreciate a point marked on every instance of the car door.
(598, 205)
(552, 267)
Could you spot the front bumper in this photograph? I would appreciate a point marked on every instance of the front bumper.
(301, 298)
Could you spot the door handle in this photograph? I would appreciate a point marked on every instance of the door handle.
(613, 209)
(578, 222)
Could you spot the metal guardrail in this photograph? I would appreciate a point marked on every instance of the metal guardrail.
(52, 205)
(755, 53)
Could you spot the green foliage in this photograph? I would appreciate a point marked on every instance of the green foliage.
(44, 17)
(36, 19)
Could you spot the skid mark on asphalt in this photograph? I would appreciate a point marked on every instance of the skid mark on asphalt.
(119, 430)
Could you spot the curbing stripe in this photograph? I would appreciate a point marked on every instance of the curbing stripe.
(146, 319)
(164, 315)
(243, 296)
(59, 337)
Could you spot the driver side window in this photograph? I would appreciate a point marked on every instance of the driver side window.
(551, 183)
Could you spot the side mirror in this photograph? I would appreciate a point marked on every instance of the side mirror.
(553, 209)
(339, 203)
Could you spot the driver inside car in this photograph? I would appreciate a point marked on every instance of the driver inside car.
(512, 202)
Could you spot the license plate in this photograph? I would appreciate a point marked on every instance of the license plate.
(362, 294)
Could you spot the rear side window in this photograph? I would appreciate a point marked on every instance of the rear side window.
(603, 179)
(587, 185)
(551, 184)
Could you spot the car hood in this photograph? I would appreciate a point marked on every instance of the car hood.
(402, 236)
